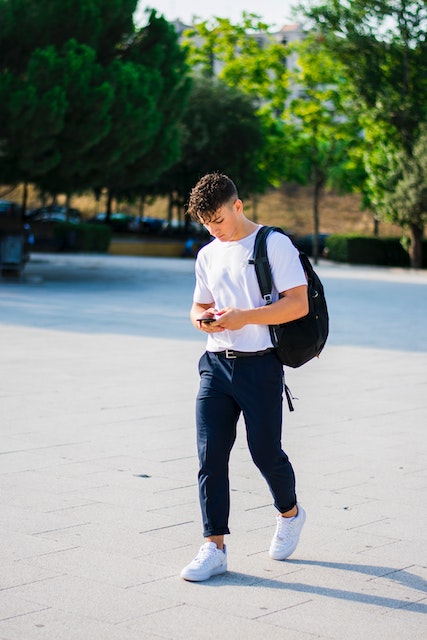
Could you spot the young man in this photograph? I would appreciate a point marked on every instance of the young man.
(240, 372)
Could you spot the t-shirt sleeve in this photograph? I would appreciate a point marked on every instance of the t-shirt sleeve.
(285, 264)
(202, 293)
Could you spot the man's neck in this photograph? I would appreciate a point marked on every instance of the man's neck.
(246, 229)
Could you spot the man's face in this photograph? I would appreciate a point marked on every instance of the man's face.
(225, 223)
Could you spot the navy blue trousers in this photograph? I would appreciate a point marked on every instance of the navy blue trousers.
(228, 387)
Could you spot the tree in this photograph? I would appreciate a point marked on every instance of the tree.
(324, 126)
(247, 57)
(221, 131)
(30, 24)
(383, 48)
(399, 182)
(154, 49)
(108, 112)
(87, 119)
(32, 114)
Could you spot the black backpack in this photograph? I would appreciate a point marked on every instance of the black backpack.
(300, 340)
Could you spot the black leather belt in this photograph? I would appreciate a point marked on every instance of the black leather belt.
(231, 353)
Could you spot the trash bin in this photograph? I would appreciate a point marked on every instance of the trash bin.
(12, 253)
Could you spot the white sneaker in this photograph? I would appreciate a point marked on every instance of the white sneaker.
(287, 534)
(210, 561)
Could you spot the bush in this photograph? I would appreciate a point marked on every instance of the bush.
(369, 250)
(69, 236)
(366, 250)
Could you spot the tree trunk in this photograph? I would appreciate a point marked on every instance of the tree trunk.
(170, 208)
(416, 248)
(376, 227)
(67, 206)
(109, 206)
(141, 207)
(318, 184)
(24, 200)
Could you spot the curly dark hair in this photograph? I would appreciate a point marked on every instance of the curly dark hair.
(210, 194)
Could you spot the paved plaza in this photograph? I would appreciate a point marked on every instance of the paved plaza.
(98, 468)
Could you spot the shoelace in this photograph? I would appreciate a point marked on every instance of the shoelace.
(204, 555)
(285, 528)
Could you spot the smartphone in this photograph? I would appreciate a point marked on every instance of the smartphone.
(206, 319)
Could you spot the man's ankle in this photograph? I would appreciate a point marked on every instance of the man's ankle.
(291, 513)
(218, 540)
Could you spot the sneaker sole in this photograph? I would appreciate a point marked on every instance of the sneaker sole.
(193, 577)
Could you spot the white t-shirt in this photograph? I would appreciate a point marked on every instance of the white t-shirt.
(225, 277)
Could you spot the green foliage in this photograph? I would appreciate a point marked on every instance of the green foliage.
(406, 203)
(32, 113)
(382, 47)
(368, 250)
(246, 57)
(86, 100)
(243, 55)
(221, 131)
(30, 24)
(161, 99)
(87, 120)
(326, 128)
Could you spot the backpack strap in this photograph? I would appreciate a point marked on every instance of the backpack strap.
(260, 260)
(265, 281)
(263, 270)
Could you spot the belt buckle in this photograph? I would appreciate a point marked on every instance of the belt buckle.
(229, 354)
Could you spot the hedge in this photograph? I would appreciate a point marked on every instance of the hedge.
(69, 236)
(368, 250)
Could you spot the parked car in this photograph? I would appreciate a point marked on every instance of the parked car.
(7, 207)
(144, 224)
(305, 243)
(54, 213)
(118, 221)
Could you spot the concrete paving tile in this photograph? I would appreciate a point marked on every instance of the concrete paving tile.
(16, 546)
(329, 543)
(127, 542)
(402, 553)
(356, 438)
(22, 461)
(31, 522)
(17, 573)
(144, 492)
(92, 599)
(255, 598)
(42, 500)
(13, 606)
(51, 624)
(370, 584)
(108, 568)
(338, 618)
(49, 480)
(191, 622)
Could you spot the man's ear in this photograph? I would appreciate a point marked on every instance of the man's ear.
(238, 204)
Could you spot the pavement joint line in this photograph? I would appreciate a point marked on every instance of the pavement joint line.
(291, 606)
(168, 526)
(185, 486)
(27, 613)
(366, 524)
(71, 526)
(49, 553)
(50, 446)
